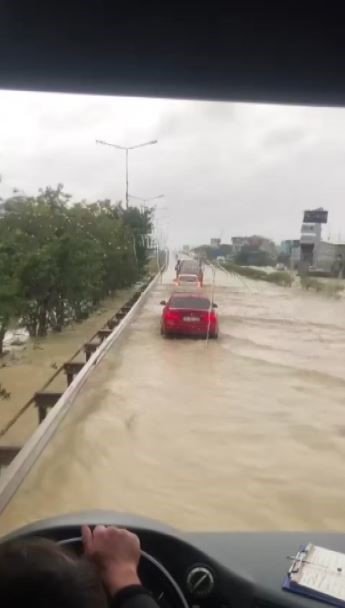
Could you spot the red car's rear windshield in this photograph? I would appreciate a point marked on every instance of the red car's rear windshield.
(187, 302)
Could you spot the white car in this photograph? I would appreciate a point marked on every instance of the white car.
(188, 280)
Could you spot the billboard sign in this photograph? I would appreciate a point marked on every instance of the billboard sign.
(315, 216)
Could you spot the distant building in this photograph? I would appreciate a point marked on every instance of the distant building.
(254, 242)
(287, 246)
(238, 242)
(215, 242)
(266, 245)
(316, 255)
(291, 250)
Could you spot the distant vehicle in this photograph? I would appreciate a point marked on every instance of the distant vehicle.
(189, 314)
(221, 259)
(192, 280)
(191, 267)
(280, 267)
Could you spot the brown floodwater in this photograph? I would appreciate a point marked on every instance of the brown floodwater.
(25, 369)
(242, 433)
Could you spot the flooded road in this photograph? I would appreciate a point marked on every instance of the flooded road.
(25, 369)
(242, 433)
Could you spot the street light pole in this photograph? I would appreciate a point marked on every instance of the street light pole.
(127, 148)
(146, 200)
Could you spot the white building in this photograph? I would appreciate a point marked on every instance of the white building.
(318, 255)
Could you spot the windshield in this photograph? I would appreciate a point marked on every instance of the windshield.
(227, 421)
(186, 302)
(187, 267)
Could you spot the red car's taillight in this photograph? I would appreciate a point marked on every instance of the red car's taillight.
(171, 316)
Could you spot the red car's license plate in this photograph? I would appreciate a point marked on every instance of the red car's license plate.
(191, 319)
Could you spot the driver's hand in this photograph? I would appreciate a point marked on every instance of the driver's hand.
(116, 552)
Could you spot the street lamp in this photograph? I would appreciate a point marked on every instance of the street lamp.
(127, 148)
(146, 200)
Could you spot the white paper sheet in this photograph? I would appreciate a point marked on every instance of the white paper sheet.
(322, 571)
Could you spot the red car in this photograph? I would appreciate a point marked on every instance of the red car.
(189, 314)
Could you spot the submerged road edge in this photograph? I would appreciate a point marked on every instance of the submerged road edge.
(28, 455)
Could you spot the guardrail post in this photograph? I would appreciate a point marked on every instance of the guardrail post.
(72, 368)
(7, 453)
(45, 401)
(112, 323)
(89, 348)
(104, 333)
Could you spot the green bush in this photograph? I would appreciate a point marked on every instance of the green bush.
(311, 283)
(280, 278)
(245, 271)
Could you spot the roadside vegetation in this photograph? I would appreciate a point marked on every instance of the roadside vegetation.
(257, 251)
(277, 277)
(59, 259)
(328, 288)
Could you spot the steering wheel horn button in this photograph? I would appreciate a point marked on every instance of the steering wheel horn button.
(200, 581)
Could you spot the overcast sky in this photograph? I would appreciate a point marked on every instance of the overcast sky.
(226, 169)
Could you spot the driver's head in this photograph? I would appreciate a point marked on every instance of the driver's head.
(41, 574)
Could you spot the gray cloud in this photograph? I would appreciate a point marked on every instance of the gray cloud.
(225, 168)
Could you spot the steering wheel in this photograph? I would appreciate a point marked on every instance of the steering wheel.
(153, 574)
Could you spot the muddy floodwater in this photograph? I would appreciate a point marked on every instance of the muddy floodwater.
(242, 433)
(26, 368)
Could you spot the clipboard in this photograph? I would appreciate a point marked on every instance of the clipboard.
(319, 574)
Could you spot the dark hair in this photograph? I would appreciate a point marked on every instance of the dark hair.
(40, 573)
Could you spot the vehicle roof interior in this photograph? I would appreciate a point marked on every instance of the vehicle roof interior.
(249, 51)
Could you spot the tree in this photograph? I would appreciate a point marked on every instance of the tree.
(65, 258)
(250, 256)
(36, 224)
(140, 224)
(10, 301)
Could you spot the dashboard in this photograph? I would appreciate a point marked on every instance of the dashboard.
(199, 570)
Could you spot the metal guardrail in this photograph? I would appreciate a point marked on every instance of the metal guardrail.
(16, 472)
(70, 367)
